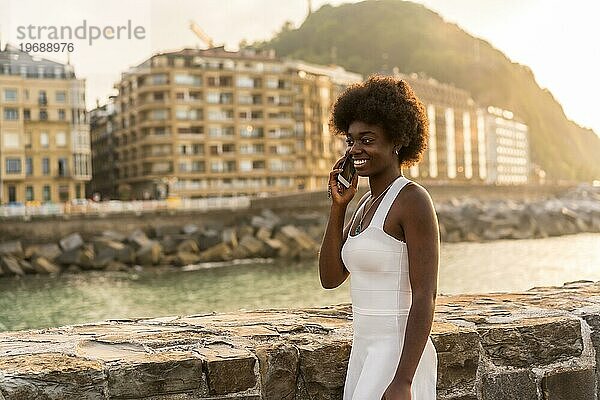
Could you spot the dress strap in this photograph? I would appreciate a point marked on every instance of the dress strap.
(385, 205)
(360, 206)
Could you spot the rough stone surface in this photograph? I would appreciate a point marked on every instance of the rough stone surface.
(509, 385)
(71, 242)
(50, 376)
(303, 354)
(148, 374)
(11, 248)
(569, 385)
(532, 341)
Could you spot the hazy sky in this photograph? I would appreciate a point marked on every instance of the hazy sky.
(558, 39)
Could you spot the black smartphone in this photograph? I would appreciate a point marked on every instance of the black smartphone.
(348, 171)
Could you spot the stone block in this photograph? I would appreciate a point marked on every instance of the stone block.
(229, 236)
(219, 252)
(300, 237)
(569, 385)
(149, 254)
(264, 233)
(322, 369)
(244, 230)
(115, 250)
(11, 265)
(228, 370)
(26, 267)
(51, 376)
(13, 248)
(255, 247)
(184, 258)
(71, 242)
(509, 385)
(458, 351)
(278, 371)
(82, 257)
(44, 266)
(593, 320)
(208, 239)
(189, 229)
(138, 239)
(532, 341)
(49, 251)
(155, 374)
(188, 246)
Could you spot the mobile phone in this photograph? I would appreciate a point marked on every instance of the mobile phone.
(348, 171)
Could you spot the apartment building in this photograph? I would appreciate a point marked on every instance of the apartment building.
(468, 143)
(102, 125)
(201, 123)
(44, 138)
(507, 143)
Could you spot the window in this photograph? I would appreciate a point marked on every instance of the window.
(29, 166)
(61, 139)
(44, 139)
(46, 193)
(27, 114)
(63, 193)
(43, 115)
(29, 193)
(63, 168)
(12, 193)
(13, 165)
(11, 140)
(78, 191)
(61, 115)
(61, 97)
(46, 166)
(42, 99)
(10, 94)
(11, 114)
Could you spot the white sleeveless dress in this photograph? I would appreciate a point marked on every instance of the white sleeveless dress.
(381, 300)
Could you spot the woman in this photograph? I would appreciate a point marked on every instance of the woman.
(390, 246)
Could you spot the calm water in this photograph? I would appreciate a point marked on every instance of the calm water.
(36, 301)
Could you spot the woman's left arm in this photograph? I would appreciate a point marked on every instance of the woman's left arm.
(421, 232)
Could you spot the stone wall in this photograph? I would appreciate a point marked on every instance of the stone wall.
(541, 344)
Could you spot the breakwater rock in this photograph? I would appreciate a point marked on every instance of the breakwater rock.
(540, 344)
(286, 234)
(469, 219)
(264, 235)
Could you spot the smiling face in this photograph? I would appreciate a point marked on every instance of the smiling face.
(371, 150)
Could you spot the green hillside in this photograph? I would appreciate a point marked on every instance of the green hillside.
(373, 36)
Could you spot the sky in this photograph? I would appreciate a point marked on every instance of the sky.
(557, 39)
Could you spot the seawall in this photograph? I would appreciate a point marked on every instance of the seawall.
(540, 344)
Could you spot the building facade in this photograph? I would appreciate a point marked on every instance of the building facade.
(203, 123)
(507, 143)
(102, 126)
(44, 138)
(468, 143)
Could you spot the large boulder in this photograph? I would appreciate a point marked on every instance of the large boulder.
(13, 248)
(44, 266)
(149, 254)
(11, 265)
(49, 251)
(71, 242)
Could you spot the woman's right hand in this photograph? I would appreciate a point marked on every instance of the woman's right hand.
(339, 194)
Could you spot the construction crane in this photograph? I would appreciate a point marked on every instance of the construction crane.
(201, 34)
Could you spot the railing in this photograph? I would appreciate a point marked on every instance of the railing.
(116, 206)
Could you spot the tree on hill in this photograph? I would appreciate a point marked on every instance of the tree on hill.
(370, 36)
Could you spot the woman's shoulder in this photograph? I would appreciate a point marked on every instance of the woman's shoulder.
(414, 198)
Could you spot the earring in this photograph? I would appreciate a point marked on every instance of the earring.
(397, 150)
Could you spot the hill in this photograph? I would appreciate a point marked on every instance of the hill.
(372, 36)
